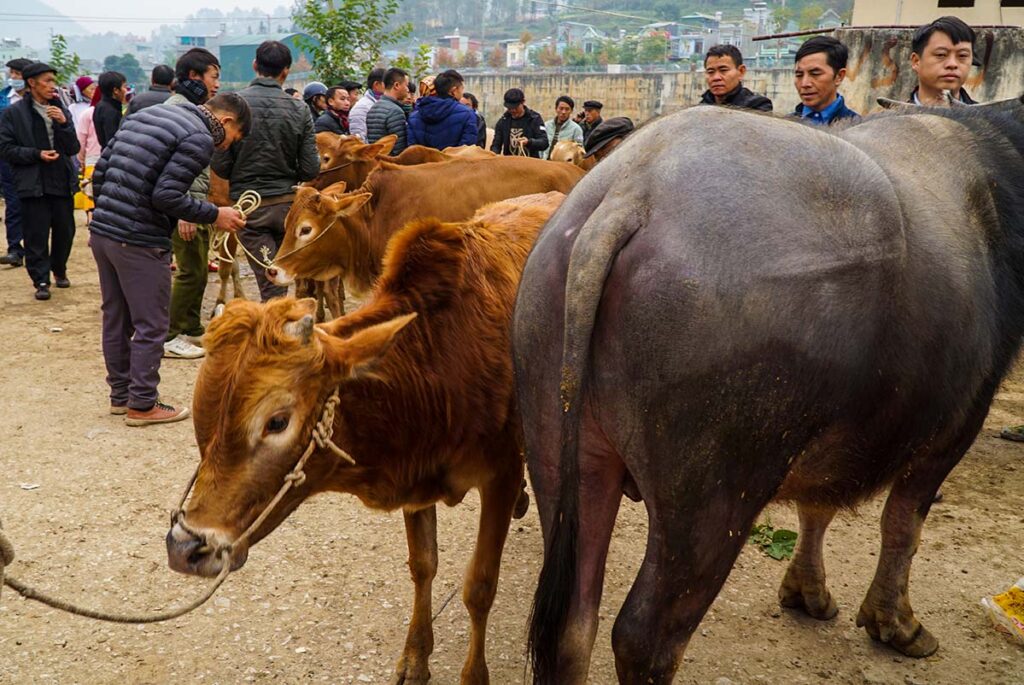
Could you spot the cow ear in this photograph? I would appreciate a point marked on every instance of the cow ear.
(344, 205)
(381, 147)
(355, 356)
(335, 189)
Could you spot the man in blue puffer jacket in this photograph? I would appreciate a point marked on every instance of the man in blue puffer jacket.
(141, 186)
(440, 120)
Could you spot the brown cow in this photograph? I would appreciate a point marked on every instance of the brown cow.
(572, 152)
(468, 152)
(329, 234)
(425, 414)
(226, 248)
(347, 159)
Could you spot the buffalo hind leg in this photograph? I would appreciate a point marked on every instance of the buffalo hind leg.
(886, 612)
(421, 533)
(804, 586)
(497, 499)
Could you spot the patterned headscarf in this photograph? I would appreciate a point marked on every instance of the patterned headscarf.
(213, 123)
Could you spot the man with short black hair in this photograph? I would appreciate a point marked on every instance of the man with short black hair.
(159, 89)
(590, 117)
(10, 95)
(387, 116)
(520, 131)
(469, 100)
(106, 116)
(335, 118)
(942, 55)
(724, 71)
(280, 154)
(440, 120)
(38, 141)
(353, 89)
(142, 186)
(820, 69)
(374, 91)
(562, 127)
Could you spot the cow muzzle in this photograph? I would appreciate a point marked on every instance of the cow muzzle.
(279, 276)
(197, 553)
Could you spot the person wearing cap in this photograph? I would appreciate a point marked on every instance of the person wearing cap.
(37, 138)
(10, 94)
(607, 136)
(562, 127)
(589, 118)
(335, 118)
(520, 131)
(942, 55)
(724, 71)
(160, 81)
(315, 97)
(84, 88)
(819, 71)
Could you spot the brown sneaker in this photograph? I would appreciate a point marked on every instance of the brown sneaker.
(159, 413)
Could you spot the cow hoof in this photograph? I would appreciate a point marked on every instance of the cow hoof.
(913, 640)
(403, 679)
(819, 605)
(522, 504)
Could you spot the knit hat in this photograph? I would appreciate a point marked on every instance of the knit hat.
(82, 83)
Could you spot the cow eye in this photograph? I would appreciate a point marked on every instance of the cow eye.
(276, 424)
(305, 230)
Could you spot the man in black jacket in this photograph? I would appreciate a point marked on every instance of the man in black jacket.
(520, 131)
(279, 155)
(159, 89)
(141, 185)
(387, 116)
(38, 141)
(106, 116)
(469, 100)
(724, 71)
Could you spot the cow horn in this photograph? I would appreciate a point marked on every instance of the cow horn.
(301, 329)
(886, 103)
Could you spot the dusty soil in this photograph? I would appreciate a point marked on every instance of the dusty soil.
(327, 596)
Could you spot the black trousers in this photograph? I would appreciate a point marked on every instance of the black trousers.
(44, 255)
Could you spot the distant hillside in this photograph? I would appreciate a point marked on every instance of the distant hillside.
(34, 30)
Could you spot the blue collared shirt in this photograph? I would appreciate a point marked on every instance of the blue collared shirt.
(837, 110)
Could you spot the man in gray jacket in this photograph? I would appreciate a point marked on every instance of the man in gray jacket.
(387, 116)
(279, 154)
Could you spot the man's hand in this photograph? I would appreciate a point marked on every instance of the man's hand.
(186, 230)
(49, 155)
(229, 219)
(57, 114)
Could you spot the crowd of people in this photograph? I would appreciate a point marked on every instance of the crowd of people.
(140, 167)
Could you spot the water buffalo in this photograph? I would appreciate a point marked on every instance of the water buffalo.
(807, 315)
(424, 375)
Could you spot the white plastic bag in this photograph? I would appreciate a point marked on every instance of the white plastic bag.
(1007, 611)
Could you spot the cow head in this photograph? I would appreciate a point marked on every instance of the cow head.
(336, 150)
(567, 151)
(259, 393)
(332, 218)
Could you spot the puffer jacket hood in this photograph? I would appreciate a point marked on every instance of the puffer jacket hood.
(442, 122)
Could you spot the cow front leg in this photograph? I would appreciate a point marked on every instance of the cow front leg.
(497, 499)
(334, 294)
(804, 584)
(236, 279)
(421, 533)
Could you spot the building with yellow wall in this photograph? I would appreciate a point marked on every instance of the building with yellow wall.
(916, 12)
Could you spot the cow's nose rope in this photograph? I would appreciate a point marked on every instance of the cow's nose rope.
(321, 437)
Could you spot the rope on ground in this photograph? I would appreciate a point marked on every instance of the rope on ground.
(444, 604)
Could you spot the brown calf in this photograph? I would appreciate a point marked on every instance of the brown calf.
(426, 413)
(348, 160)
(332, 233)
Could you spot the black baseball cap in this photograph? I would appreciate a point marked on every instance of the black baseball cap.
(514, 97)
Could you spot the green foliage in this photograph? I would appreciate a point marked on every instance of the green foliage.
(351, 34)
(778, 544)
(549, 57)
(652, 50)
(127, 65)
(65, 62)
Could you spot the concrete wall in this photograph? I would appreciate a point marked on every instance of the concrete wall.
(879, 67)
(917, 12)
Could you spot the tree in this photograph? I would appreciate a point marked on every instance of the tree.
(349, 34)
(652, 50)
(549, 57)
(809, 16)
(525, 38)
(444, 59)
(496, 57)
(65, 62)
(469, 59)
(127, 65)
(421, 61)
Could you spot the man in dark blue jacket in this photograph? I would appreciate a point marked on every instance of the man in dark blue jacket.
(141, 186)
(38, 141)
(441, 120)
(819, 71)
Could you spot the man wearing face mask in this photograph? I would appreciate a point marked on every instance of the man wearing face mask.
(141, 184)
(10, 94)
(38, 140)
(198, 79)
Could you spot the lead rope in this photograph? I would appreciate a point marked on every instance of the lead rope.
(247, 203)
(322, 436)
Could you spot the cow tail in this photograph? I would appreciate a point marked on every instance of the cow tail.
(592, 257)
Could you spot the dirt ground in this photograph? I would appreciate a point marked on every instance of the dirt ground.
(326, 597)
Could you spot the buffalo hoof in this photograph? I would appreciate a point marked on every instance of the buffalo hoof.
(522, 503)
(820, 607)
(909, 638)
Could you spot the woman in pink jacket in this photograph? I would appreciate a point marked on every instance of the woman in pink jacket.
(87, 158)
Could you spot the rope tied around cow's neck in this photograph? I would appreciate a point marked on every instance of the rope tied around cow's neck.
(321, 437)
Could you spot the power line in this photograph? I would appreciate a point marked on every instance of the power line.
(30, 18)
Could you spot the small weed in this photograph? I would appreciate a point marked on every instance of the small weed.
(778, 544)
